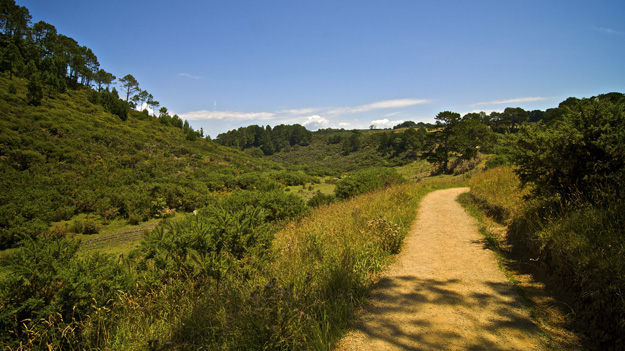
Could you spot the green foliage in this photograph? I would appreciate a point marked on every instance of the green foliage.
(320, 199)
(111, 103)
(202, 245)
(277, 205)
(35, 89)
(50, 290)
(351, 143)
(366, 181)
(406, 144)
(462, 137)
(267, 139)
(582, 154)
(67, 157)
(325, 155)
(580, 243)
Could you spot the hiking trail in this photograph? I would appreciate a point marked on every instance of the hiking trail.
(444, 292)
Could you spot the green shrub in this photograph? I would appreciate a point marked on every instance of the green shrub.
(52, 297)
(582, 155)
(320, 199)
(366, 181)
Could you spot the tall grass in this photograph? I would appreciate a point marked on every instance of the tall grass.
(302, 296)
(581, 244)
(498, 191)
(298, 293)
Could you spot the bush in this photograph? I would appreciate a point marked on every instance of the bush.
(52, 297)
(582, 155)
(320, 199)
(366, 181)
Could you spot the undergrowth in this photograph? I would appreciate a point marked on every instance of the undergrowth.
(223, 279)
(581, 244)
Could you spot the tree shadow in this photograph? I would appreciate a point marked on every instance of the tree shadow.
(429, 314)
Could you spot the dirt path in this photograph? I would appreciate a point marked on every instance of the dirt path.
(445, 292)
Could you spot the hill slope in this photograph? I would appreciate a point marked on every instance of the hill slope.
(68, 156)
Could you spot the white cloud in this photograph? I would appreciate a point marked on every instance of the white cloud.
(300, 111)
(312, 117)
(385, 104)
(316, 122)
(393, 114)
(186, 75)
(385, 123)
(512, 101)
(226, 115)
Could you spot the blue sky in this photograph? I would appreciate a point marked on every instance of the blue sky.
(349, 64)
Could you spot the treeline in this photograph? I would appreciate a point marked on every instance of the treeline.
(53, 62)
(268, 140)
(44, 56)
(451, 143)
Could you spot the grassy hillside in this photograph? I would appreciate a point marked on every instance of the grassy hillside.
(67, 157)
(331, 153)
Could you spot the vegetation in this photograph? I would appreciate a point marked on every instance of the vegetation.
(564, 208)
(68, 156)
(268, 140)
(259, 265)
(218, 279)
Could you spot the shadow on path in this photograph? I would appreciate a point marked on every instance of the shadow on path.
(423, 314)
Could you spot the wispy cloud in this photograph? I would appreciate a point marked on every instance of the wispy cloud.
(608, 31)
(186, 75)
(312, 117)
(512, 101)
(385, 104)
(393, 114)
(345, 110)
(301, 111)
(226, 115)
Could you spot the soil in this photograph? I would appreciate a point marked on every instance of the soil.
(444, 292)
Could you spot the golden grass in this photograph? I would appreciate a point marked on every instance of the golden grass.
(499, 187)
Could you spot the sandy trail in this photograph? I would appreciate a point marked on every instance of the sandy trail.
(445, 292)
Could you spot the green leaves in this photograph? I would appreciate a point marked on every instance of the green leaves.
(582, 154)
(365, 181)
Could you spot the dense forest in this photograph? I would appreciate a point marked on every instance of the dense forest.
(268, 237)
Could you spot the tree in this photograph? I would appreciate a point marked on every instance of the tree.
(582, 155)
(130, 85)
(510, 120)
(407, 124)
(352, 143)
(44, 38)
(11, 57)
(35, 89)
(462, 137)
(103, 77)
(152, 103)
(14, 19)
(442, 141)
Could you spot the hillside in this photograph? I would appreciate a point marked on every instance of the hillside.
(68, 156)
(327, 152)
